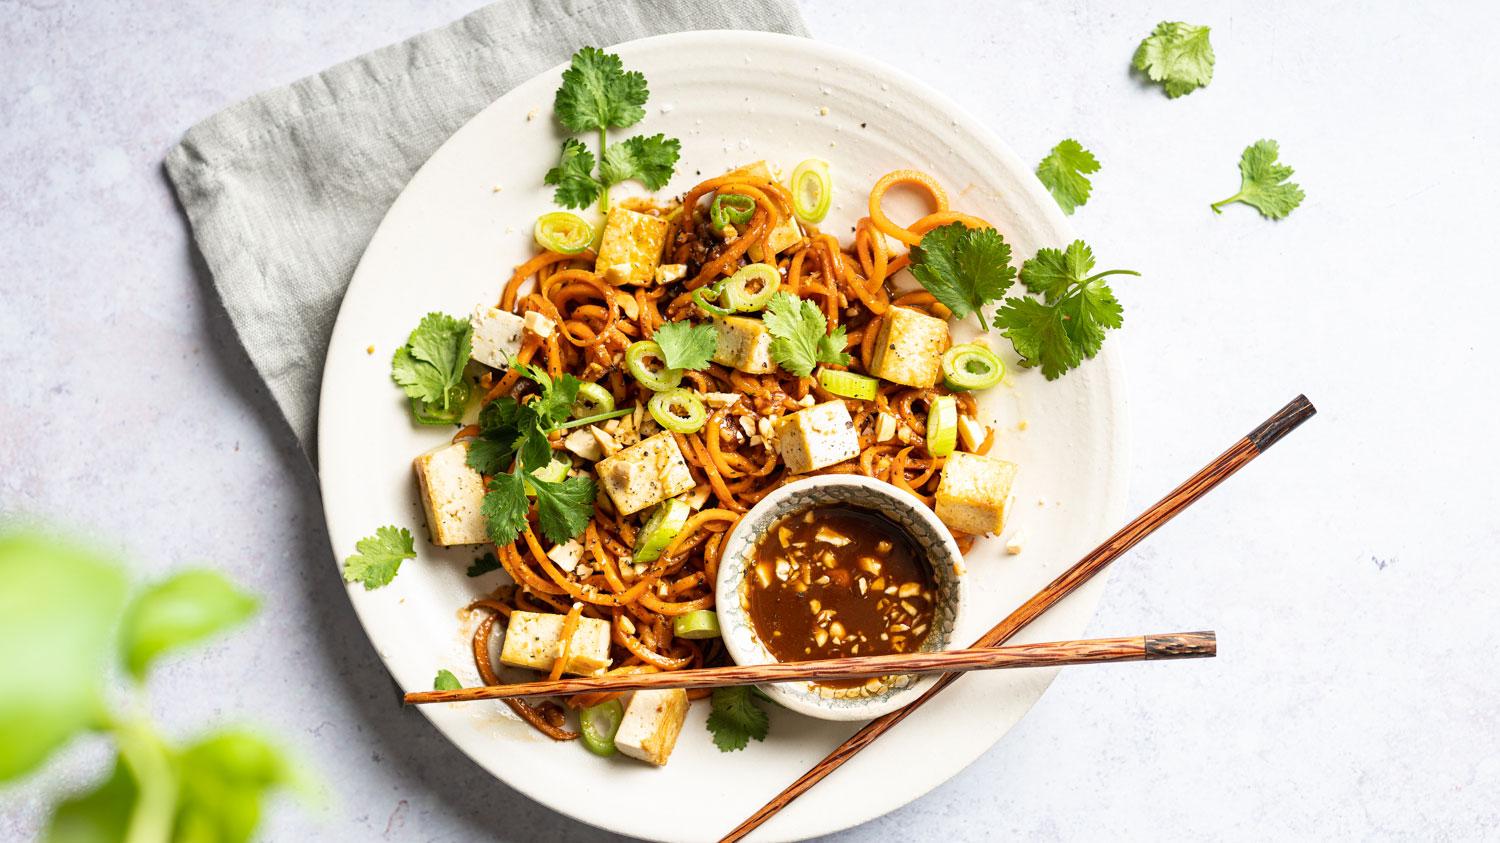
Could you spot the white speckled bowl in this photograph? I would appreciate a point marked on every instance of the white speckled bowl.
(736, 562)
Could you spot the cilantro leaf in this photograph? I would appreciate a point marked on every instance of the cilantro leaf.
(1263, 182)
(563, 508)
(1067, 325)
(379, 557)
(430, 367)
(649, 161)
(574, 176)
(504, 507)
(685, 345)
(598, 93)
(555, 404)
(964, 268)
(1177, 55)
(483, 565)
(1064, 171)
(736, 718)
(800, 337)
(446, 681)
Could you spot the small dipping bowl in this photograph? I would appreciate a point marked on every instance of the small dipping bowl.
(737, 562)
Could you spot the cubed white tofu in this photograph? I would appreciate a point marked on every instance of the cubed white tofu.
(496, 337)
(566, 555)
(820, 436)
(534, 640)
(538, 324)
(785, 235)
(582, 442)
(652, 722)
(975, 493)
(645, 474)
(631, 238)
(667, 273)
(743, 343)
(452, 494)
(909, 348)
(971, 434)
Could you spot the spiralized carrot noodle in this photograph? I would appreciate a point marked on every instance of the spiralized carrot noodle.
(733, 458)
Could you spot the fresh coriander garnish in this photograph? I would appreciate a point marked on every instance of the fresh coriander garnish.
(598, 94)
(446, 681)
(430, 368)
(799, 335)
(964, 268)
(1065, 172)
(483, 565)
(736, 718)
(1067, 325)
(1263, 182)
(1177, 55)
(379, 557)
(685, 345)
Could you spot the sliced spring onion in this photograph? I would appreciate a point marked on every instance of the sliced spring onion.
(971, 366)
(751, 287)
(942, 426)
(449, 412)
(598, 726)
(663, 526)
(593, 400)
(848, 384)
(555, 471)
(678, 410)
(812, 190)
(703, 297)
(730, 209)
(657, 379)
(703, 623)
(563, 232)
(613, 414)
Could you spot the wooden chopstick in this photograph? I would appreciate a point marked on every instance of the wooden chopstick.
(1238, 456)
(1178, 645)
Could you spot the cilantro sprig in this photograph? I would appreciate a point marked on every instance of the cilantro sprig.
(430, 368)
(599, 94)
(1263, 182)
(736, 717)
(1177, 55)
(800, 339)
(685, 345)
(1065, 173)
(964, 268)
(1067, 325)
(379, 557)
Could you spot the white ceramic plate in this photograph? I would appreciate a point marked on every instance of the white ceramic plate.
(452, 238)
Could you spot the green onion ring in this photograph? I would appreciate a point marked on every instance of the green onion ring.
(942, 426)
(702, 623)
(598, 725)
(848, 384)
(730, 209)
(971, 366)
(593, 400)
(656, 380)
(563, 232)
(737, 293)
(812, 190)
(678, 410)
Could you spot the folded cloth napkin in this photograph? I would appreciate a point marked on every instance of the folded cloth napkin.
(284, 190)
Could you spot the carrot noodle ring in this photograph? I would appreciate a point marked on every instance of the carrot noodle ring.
(533, 267)
(910, 178)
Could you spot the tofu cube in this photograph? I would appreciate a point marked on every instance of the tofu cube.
(497, 336)
(975, 493)
(538, 324)
(451, 493)
(634, 239)
(820, 436)
(652, 722)
(645, 474)
(743, 343)
(534, 640)
(909, 348)
(785, 235)
(971, 433)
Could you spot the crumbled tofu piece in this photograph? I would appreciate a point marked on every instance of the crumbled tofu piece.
(581, 441)
(452, 494)
(786, 234)
(909, 348)
(607, 443)
(743, 343)
(633, 239)
(974, 493)
(645, 474)
(721, 399)
(885, 427)
(817, 437)
(1014, 545)
(667, 273)
(566, 555)
(496, 336)
(534, 640)
(971, 433)
(538, 324)
(652, 722)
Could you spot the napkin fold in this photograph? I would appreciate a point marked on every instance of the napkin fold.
(284, 190)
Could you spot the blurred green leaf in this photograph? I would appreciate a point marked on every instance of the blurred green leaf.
(100, 816)
(58, 605)
(138, 802)
(181, 610)
(224, 780)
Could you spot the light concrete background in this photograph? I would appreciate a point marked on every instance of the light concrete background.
(1351, 574)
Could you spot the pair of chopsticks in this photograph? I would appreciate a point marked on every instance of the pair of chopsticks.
(985, 654)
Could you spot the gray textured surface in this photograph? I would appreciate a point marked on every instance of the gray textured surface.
(1350, 574)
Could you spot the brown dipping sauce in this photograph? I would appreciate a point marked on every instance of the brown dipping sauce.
(837, 581)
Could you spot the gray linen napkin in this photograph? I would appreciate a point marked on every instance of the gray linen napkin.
(284, 190)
